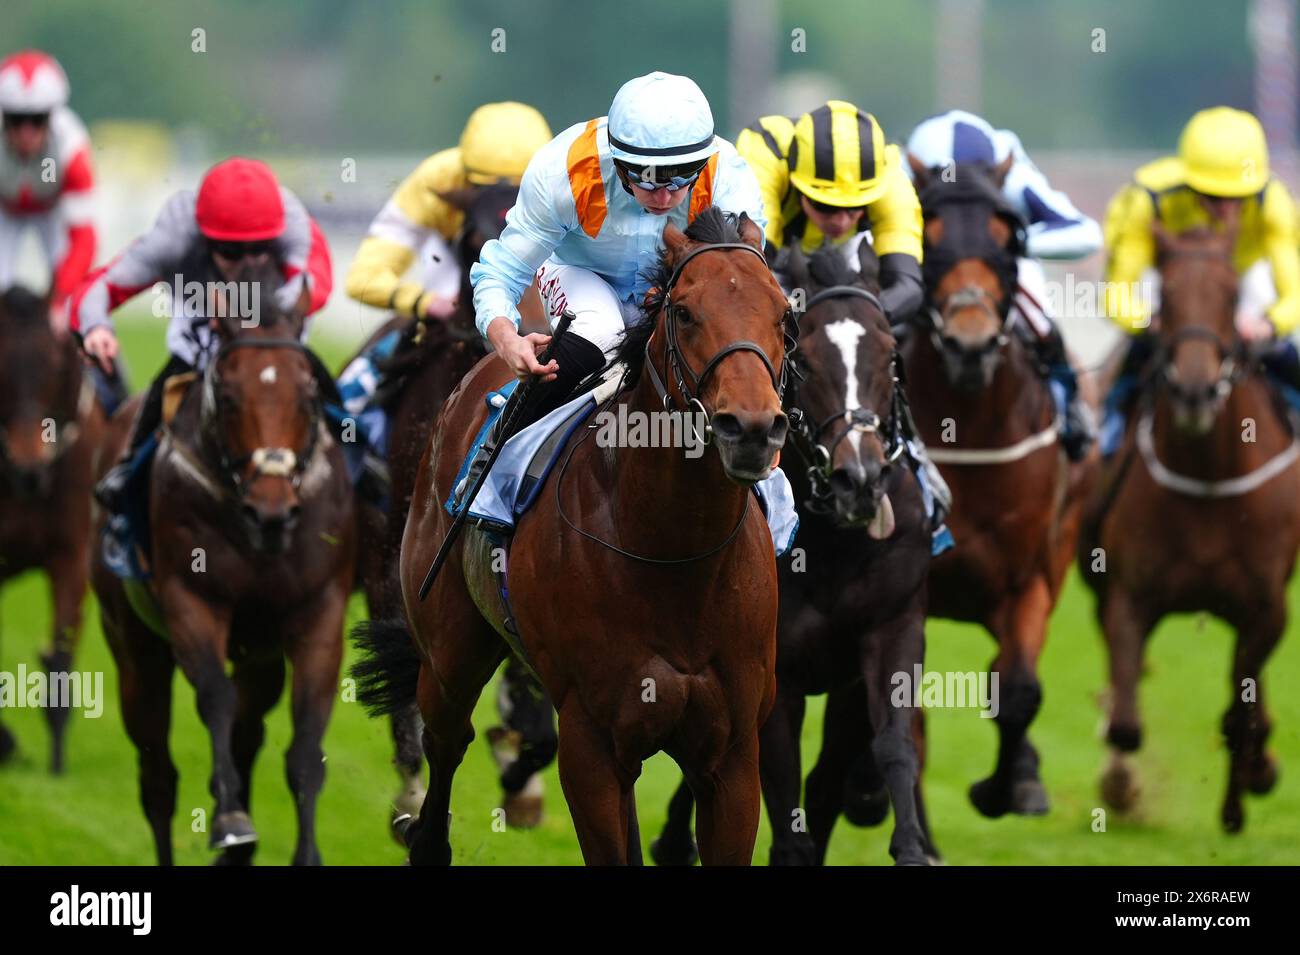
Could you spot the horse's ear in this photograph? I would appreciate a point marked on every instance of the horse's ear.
(675, 241)
(868, 263)
(750, 233)
(461, 198)
(998, 175)
(796, 267)
(920, 172)
(1163, 237)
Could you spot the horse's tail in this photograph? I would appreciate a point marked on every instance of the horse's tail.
(389, 666)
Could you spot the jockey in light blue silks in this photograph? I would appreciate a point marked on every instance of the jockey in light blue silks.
(1055, 230)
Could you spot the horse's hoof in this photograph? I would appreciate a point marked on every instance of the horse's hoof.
(674, 853)
(1119, 787)
(401, 828)
(1263, 775)
(1234, 820)
(1029, 798)
(523, 811)
(866, 809)
(913, 858)
(990, 799)
(232, 829)
(8, 745)
(406, 807)
(1126, 739)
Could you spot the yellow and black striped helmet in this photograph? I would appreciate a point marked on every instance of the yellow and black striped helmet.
(838, 156)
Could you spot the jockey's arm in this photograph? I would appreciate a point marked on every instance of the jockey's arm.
(76, 208)
(413, 213)
(896, 233)
(304, 256)
(1130, 251)
(1280, 246)
(1056, 229)
(759, 145)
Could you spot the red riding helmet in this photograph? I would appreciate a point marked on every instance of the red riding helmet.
(239, 201)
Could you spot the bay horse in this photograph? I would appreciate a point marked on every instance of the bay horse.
(853, 605)
(1199, 511)
(253, 535)
(987, 416)
(430, 359)
(50, 422)
(643, 581)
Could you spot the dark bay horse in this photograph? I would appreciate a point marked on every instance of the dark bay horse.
(50, 423)
(988, 418)
(853, 606)
(1199, 511)
(431, 358)
(253, 537)
(643, 580)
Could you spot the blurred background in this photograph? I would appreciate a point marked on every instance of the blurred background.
(1093, 89)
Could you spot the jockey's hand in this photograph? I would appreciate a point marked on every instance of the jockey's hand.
(1254, 327)
(520, 351)
(101, 344)
(440, 307)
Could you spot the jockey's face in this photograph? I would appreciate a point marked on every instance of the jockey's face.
(659, 202)
(833, 222)
(25, 133)
(1221, 209)
(228, 257)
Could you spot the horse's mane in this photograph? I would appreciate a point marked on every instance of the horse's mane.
(828, 267)
(710, 227)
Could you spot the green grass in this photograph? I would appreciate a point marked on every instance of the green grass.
(91, 815)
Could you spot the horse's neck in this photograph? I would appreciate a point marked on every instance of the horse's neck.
(1246, 433)
(662, 503)
(1015, 405)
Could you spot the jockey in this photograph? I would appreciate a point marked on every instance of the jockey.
(588, 225)
(1220, 178)
(1055, 230)
(239, 212)
(46, 180)
(829, 176)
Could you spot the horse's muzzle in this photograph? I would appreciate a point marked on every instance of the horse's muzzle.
(858, 491)
(748, 442)
(270, 527)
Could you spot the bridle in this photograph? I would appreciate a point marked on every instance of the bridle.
(1234, 363)
(818, 454)
(267, 461)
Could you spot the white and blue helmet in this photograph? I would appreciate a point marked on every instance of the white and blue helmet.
(956, 136)
(661, 120)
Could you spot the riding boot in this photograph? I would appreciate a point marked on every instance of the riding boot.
(578, 359)
(110, 492)
(1123, 393)
(1282, 366)
(1079, 429)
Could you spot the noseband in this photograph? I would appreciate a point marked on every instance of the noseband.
(1233, 361)
(267, 461)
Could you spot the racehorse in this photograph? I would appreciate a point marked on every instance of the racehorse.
(1200, 511)
(252, 555)
(985, 411)
(854, 616)
(643, 581)
(430, 359)
(50, 423)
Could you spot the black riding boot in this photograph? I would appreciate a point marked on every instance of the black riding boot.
(111, 490)
(1079, 429)
(577, 358)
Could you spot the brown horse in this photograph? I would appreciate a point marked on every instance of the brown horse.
(430, 359)
(252, 552)
(853, 606)
(643, 580)
(50, 423)
(1200, 511)
(988, 418)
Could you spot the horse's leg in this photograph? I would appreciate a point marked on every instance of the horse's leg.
(315, 652)
(145, 667)
(676, 843)
(67, 573)
(781, 775)
(200, 633)
(527, 713)
(1125, 628)
(1246, 725)
(598, 790)
(846, 740)
(1021, 630)
(919, 742)
(897, 647)
(406, 727)
(728, 804)
(259, 686)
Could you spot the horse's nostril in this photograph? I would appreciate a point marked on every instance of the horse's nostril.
(250, 514)
(295, 512)
(727, 426)
(780, 428)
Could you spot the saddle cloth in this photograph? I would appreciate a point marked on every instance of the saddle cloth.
(526, 460)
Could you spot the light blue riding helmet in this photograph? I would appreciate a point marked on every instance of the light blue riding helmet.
(661, 120)
(955, 136)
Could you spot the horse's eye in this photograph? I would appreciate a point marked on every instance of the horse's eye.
(682, 314)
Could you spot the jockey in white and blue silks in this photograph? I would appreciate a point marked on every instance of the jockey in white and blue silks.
(1055, 230)
(588, 225)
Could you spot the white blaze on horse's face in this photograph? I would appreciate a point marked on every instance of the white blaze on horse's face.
(267, 377)
(845, 334)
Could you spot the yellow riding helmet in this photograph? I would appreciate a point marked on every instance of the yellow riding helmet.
(1224, 153)
(498, 141)
(838, 156)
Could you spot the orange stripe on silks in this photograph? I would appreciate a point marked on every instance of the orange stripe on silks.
(702, 192)
(586, 181)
